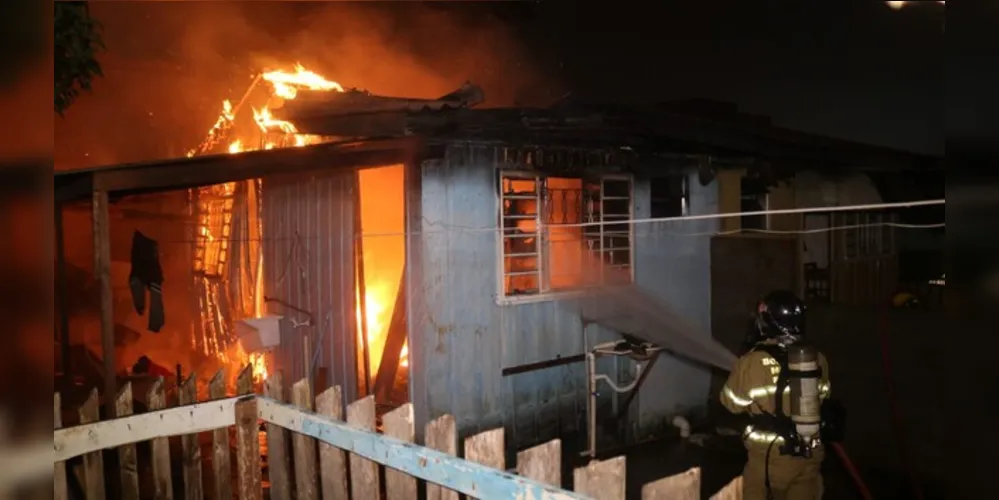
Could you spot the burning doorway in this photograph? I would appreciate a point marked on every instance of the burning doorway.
(383, 361)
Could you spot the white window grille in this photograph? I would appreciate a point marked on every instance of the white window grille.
(542, 246)
(871, 236)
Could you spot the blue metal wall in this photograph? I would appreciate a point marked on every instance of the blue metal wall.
(308, 227)
(461, 339)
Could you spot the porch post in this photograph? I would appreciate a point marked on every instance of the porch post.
(62, 295)
(102, 269)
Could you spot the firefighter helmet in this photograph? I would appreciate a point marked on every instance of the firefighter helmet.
(781, 313)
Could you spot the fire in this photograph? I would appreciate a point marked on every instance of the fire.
(286, 84)
(899, 5)
(378, 318)
(236, 147)
(268, 123)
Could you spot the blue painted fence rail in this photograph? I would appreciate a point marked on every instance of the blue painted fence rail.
(428, 464)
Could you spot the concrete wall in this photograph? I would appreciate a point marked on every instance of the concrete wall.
(461, 339)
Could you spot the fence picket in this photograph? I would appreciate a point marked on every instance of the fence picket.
(59, 471)
(398, 423)
(332, 460)
(162, 476)
(93, 463)
(442, 435)
(248, 451)
(683, 486)
(244, 381)
(277, 445)
(128, 464)
(731, 491)
(486, 448)
(191, 449)
(304, 447)
(602, 479)
(364, 481)
(543, 463)
(537, 466)
(221, 458)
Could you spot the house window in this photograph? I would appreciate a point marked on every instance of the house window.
(754, 197)
(669, 196)
(867, 235)
(544, 246)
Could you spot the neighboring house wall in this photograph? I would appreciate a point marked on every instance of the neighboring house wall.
(462, 340)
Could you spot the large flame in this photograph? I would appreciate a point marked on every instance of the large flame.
(277, 133)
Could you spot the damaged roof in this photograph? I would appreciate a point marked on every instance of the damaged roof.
(686, 127)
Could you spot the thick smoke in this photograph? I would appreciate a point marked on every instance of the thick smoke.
(169, 65)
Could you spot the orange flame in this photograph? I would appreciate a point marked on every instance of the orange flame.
(286, 84)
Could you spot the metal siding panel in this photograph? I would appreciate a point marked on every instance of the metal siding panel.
(676, 268)
(308, 248)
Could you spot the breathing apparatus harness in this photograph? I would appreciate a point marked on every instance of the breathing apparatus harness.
(799, 428)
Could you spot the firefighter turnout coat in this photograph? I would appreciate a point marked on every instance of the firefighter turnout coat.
(751, 388)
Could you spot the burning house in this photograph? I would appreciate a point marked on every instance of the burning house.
(427, 251)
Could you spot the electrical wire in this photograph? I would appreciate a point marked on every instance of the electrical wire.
(439, 228)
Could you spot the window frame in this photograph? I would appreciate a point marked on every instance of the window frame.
(544, 294)
(684, 195)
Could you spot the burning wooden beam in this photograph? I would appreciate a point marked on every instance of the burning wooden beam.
(395, 339)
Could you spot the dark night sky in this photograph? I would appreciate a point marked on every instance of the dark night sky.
(847, 68)
(854, 69)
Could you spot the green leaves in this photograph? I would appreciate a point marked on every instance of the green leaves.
(77, 42)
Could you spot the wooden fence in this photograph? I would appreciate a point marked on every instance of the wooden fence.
(333, 454)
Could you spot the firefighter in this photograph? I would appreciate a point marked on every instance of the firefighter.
(784, 447)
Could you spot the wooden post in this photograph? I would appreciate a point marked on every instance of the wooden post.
(63, 294)
(248, 450)
(543, 463)
(162, 477)
(59, 472)
(221, 460)
(442, 435)
(360, 283)
(102, 270)
(93, 463)
(601, 479)
(487, 448)
(395, 339)
(127, 461)
(398, 423)
(190, 447)
(277, 445)
(684, 486)
(364, 480)
(304, 447)
(332, 460)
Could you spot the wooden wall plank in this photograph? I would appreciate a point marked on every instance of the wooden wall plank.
(441, 434)
(102, 270)
(191, 449)
(277, 445)
(162, 476)
(59, 472)
(128, 464)
(683, 486)
(364, 480)
(332, 460)
(304, 447)
(248, 451)
(604, 479)
(93, 462)
(221, 454)
(398, 423)
(542, 463)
